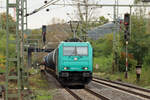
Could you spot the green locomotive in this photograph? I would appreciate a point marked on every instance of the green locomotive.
(72, 62)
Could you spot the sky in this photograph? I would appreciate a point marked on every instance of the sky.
(63, 12)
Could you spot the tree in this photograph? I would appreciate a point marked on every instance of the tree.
(85, 13)
(98, 22)
(137, 1)
(12, 24)
(103, 46)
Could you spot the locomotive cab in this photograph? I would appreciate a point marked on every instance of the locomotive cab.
(75, 63)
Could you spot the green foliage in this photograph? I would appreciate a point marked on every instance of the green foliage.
(104, 63)
(43, 95)
(2, 41)
(103, 53)
(147, 59)
(102, 20)
(97, 22)
(11, 47)
(145, 77)
(12, 24)
(103, 46)
(137, 1)
(40, 85)
(2, 63)
(122, 64)
(138, 46)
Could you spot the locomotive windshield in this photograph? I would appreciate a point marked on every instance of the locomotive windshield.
(69, 51)
(82, 51)
(75, 51)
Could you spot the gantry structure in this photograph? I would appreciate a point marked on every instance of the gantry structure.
(16, 60)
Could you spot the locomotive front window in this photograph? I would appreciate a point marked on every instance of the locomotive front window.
(82, 51)
(69, 51)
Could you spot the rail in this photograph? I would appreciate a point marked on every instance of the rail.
(144, 93)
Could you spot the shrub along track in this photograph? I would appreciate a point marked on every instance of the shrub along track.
(138, 91)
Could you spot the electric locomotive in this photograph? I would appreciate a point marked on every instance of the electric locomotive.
(72, 62)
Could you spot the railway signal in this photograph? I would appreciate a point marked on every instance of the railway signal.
(126, 24)
(45, 2)
(126, 37)
(44, 33)
(47, 10)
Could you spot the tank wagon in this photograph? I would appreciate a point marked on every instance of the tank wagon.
(72, 62)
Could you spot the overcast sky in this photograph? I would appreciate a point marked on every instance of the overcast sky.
(60, 12)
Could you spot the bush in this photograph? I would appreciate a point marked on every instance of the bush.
(104, 64)
(147, 59)
(131, 64)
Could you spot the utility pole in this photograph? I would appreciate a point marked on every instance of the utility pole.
(1, 15)
(0, 21)
(115, 37)
(126, 73)
(86, 16)
(126, 37)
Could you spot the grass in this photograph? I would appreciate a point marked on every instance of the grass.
(43, 95)
(39, 86)
(2, 70)
(105, 67)
(104, 63)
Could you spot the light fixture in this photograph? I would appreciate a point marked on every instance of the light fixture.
(85, 68)
(65, 68)
(75, 59)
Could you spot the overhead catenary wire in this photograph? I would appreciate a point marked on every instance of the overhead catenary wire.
(52, 2)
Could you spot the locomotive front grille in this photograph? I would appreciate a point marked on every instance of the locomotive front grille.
(75, 77)
(75, 74)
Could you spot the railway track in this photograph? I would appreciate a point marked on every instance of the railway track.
(91, 93)
(75, 92)
(102, 97)
(138, 91)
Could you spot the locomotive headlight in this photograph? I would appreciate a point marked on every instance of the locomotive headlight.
(75, 59)
(85, 68)
(65, 68)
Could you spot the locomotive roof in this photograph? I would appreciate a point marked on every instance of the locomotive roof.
(74, 43)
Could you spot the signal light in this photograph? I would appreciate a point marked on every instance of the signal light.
(126, 23)
(126, 19)
(44, 33)
(44, 28)
(45, 2)
(47, 10)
